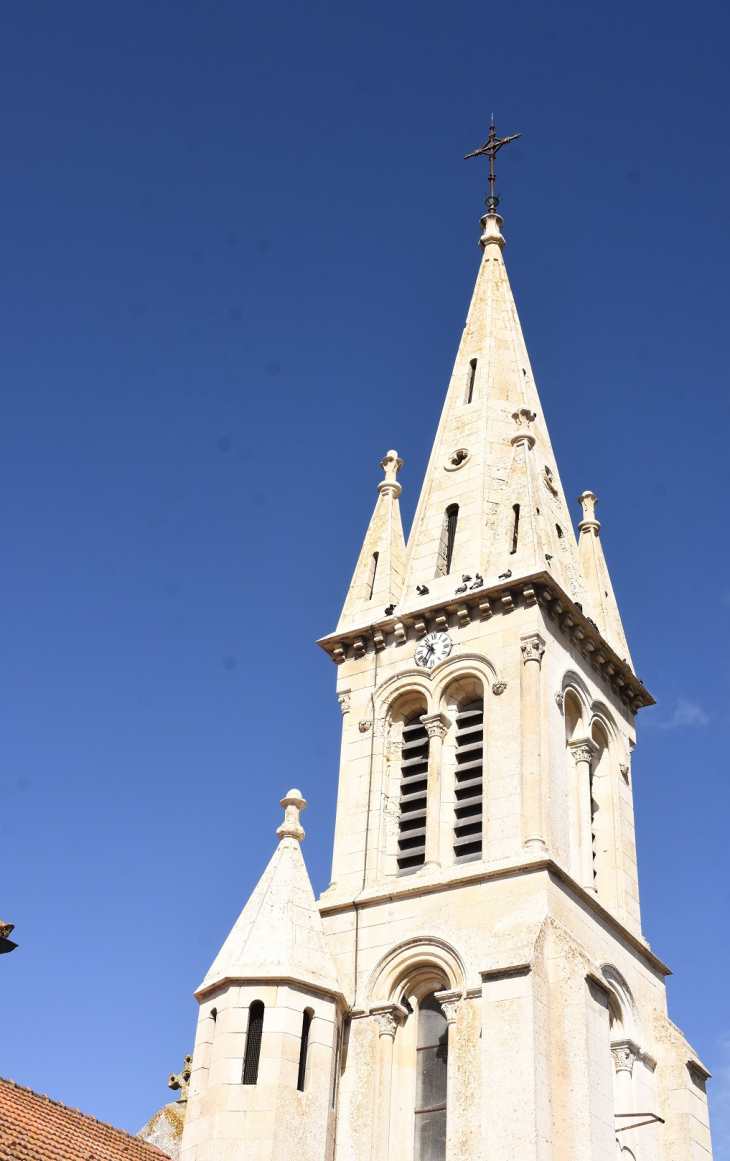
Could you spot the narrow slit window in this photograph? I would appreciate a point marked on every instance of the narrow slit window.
(372, 576)
(432, 1053)
(469, 788)
(515, 528)
(253, 1043)
(303, 1048)
(470, 380)
(448, 538)
(559, 531)
(413, 784)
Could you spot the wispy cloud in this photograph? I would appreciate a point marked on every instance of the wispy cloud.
(720, 1106)
(686, 713)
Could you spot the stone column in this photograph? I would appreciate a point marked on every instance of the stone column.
(624, 1054)
(388, 1018)
(437, 726)
(449, 1002)
(533, 648)
(584, 752)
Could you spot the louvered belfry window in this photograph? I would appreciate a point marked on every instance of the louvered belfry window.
(469, 787)
(253, 1043)
(413, 783)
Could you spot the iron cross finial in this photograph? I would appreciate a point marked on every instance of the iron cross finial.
(491, 148)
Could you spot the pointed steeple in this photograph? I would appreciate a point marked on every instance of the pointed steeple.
(378, 578)
(602, 604)
(279, 934)
(492, 472)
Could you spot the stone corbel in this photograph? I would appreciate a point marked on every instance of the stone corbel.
(344, 699)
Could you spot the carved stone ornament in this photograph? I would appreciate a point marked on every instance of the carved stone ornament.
(456, 459)
(547, 479)
(624, 1054)
(499, 687)
(559, 699)
(624, 773)
(291, 827)
(181, 1080)
(533, 648)
(387, 1019)
(344, 700)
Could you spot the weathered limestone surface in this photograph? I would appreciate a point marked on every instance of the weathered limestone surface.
(484, 878)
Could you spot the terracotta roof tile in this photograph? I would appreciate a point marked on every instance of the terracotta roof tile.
(35, 1128)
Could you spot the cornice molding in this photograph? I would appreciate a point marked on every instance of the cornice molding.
(496, 600)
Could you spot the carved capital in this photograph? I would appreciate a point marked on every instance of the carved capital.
(499, 688)
(624, 772)
(388, 1018)
(533, 648)
(559, 699)
(584, 750)
(437, 725)
(624, 1054)
(344, 700)
(449, 1002)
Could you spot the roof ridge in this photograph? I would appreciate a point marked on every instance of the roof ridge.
(86, 1116)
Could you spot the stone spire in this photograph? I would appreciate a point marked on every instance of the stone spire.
(279, 935)
(492, 457)
(602, 606)
(378, 578)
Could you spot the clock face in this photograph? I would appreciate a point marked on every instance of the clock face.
(432, 648)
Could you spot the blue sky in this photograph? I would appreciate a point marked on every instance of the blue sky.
(237, 245)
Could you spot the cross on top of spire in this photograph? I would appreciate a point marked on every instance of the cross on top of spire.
(490, 149)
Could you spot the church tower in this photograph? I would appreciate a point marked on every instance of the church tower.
(482, 989)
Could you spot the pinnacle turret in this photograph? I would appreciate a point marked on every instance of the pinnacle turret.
(378, 578)
(601, 600)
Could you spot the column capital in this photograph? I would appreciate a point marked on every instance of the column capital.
(344, 700)
(437, 725)
(583, 750)
(388, 1018)
(624, 1054)
(449, 1002)
(533, 647)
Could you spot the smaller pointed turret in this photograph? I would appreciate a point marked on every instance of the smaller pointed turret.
(378, 578)
(269, 1024)
(604, 608)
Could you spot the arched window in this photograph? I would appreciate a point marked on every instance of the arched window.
(468, 788)
(413, 785)
(432, 1053)
(303, 1047)
(471, 376)
(253, 1043)
(448, 539)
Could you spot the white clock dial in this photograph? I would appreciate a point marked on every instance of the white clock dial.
(432, 648)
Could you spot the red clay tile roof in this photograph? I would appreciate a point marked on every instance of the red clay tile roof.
(35, 1128)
